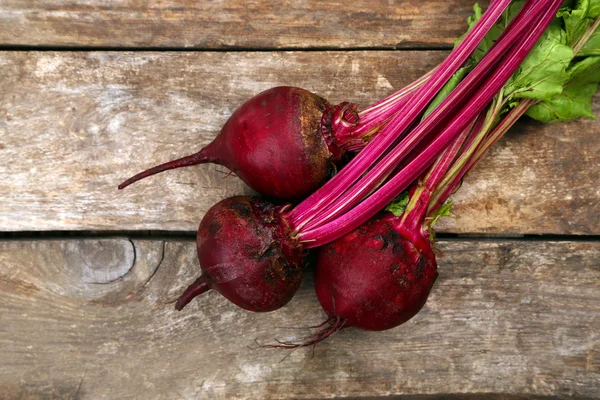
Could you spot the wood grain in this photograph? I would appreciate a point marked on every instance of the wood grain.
(74, 125)
(229, 24)
(84, 319)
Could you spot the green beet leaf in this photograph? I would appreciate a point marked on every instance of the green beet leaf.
(398, 205)
(543, 73)
(576, 20)
(494, 32)
(576, 99)
(592, 46)
(443, 211)
(594, 10)
(447, 89)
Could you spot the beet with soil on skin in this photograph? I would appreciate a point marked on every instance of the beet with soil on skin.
(280, 142)
(246, 254)
(375, 278)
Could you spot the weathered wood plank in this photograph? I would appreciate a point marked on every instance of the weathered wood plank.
(73, 125)
(234, 23)
(85, 319)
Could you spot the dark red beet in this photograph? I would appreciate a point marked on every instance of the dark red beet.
(280, 142)
(376, 277)
(246, 254)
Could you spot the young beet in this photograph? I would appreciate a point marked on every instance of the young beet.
(379, 275)
(280, 142)
(259, 268)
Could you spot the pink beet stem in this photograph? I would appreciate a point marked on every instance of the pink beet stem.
(472, 157)
(416, 211)
(369, 207)
(389, 101)
(450, 183)
(372, 119)
(380, 144)
(474, 143)
(376, 176)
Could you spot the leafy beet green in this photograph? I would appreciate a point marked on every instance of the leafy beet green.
(575, 101)
(578, 29)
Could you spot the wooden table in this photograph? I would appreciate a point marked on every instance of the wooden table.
(93, 91)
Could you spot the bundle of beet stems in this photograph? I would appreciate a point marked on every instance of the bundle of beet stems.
(374, 268)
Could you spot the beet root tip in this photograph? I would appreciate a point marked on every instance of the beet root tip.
(329, 327)
(202, 157)
(199, 286)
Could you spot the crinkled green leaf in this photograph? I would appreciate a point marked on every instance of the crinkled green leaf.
(545, 72)
(594, 10)
(542, 74)
(471, 21)
(443, 211)
(587, 70)
(398, 205)
(576, 99)
(573, 103)
(576, 20)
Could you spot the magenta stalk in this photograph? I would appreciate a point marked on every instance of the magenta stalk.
(337, 185)
(432, 123)
(370, 206)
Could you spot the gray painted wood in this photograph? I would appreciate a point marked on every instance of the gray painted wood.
(75, 124)
(227, 24)
(83, 319)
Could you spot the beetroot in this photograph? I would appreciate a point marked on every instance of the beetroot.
(375, 277)
(280, 142)
(247, 255)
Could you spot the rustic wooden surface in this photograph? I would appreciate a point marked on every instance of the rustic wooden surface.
(94, 318)
(73, 125)
(89, 317)
(227, 24)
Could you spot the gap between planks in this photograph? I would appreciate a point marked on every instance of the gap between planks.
(217, 50)
(191, 236)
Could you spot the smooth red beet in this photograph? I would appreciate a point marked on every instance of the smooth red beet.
(246, 254)
(280, 142)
